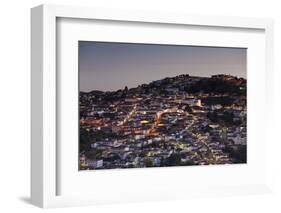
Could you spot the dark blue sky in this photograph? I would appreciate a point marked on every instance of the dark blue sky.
(110, 66)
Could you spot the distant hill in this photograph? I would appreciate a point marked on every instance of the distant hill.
(217, 84)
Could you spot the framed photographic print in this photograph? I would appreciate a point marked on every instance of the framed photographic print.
(131, 105)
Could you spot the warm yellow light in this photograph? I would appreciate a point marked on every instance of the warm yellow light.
(144, 122)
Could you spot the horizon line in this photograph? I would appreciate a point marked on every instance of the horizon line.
(159, 80)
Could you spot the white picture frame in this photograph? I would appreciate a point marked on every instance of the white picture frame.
(44, 154)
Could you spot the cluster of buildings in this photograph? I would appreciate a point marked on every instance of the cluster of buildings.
(161, 124)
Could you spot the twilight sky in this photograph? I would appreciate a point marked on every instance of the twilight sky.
(111, 66)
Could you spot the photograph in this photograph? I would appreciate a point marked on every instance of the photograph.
(160, 105)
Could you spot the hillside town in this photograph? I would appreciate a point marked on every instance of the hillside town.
(176, 121)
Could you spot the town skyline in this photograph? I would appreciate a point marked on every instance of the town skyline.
(147, 83)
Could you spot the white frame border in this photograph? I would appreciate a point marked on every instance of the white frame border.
(43, 90)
